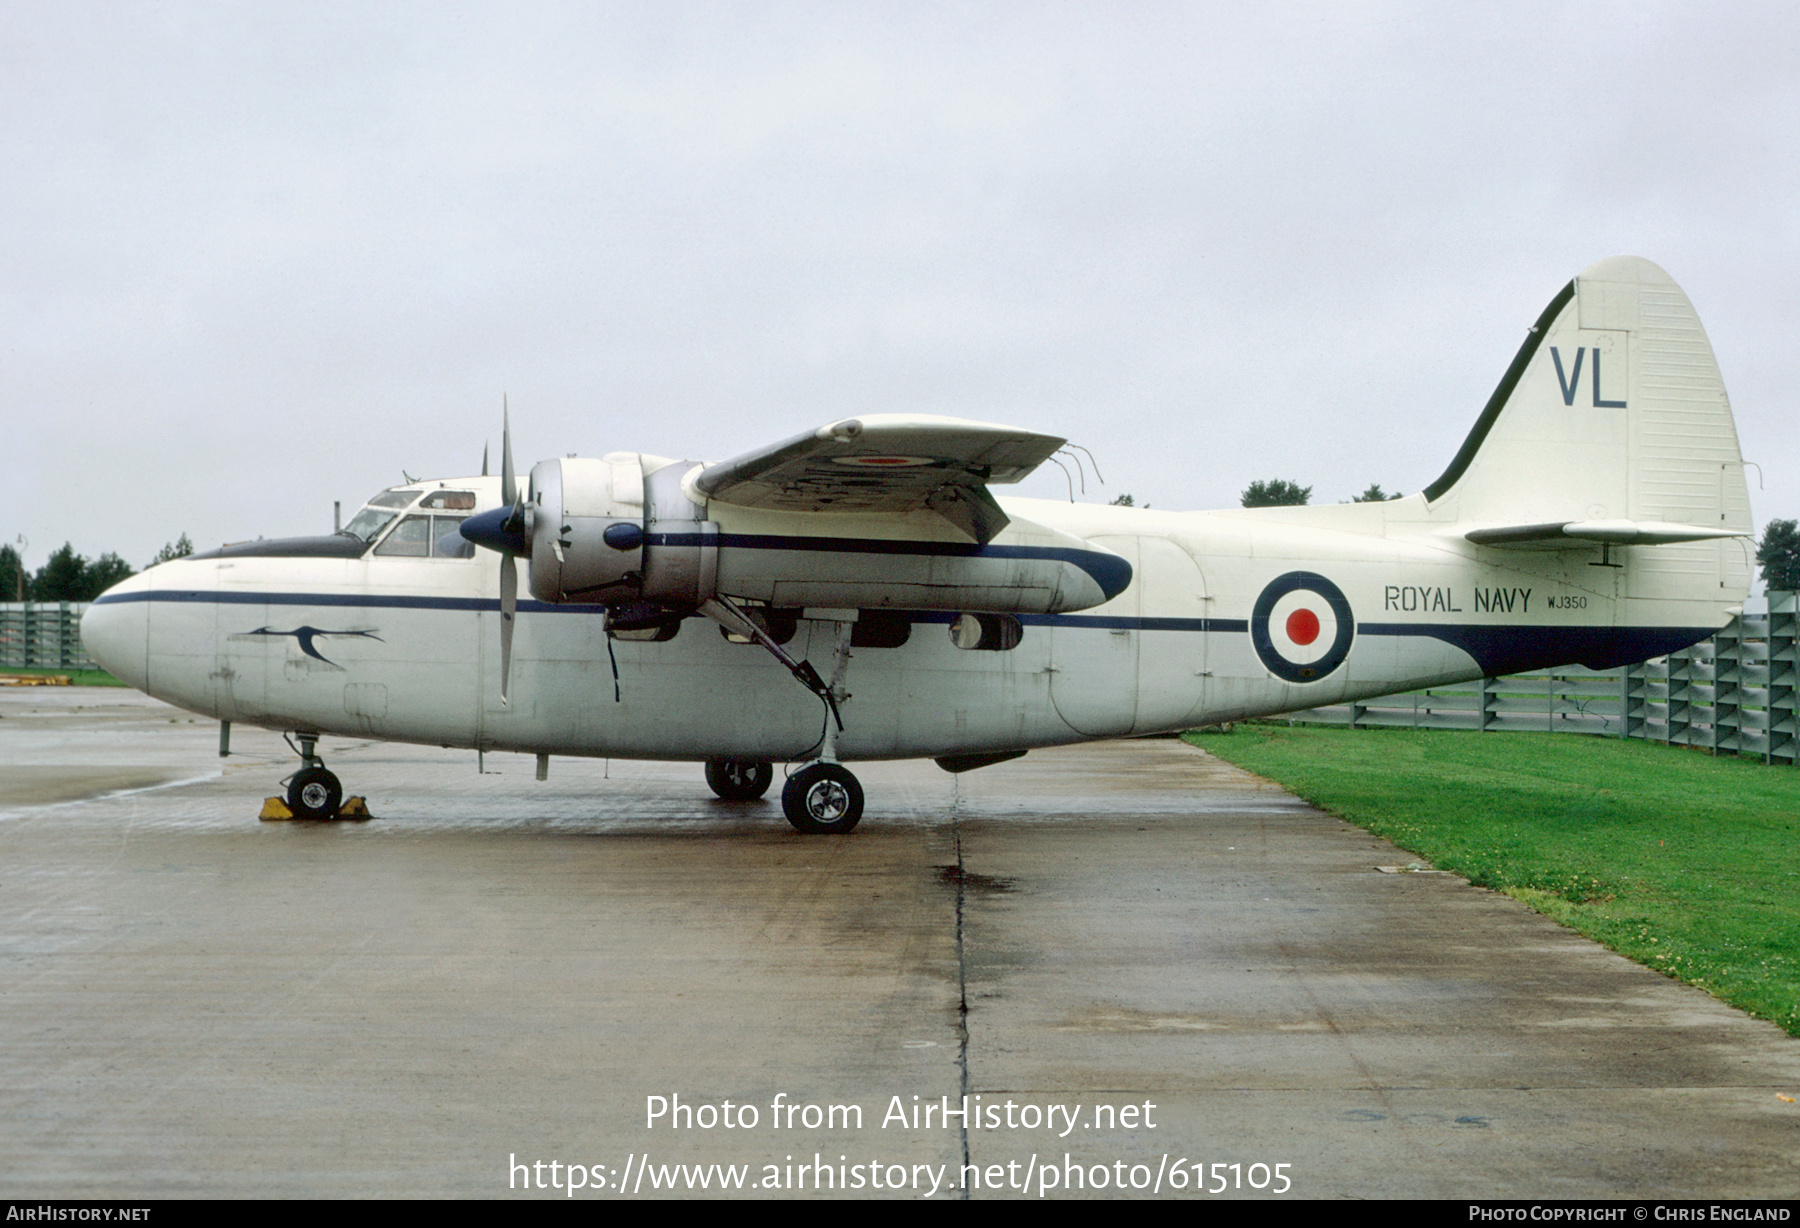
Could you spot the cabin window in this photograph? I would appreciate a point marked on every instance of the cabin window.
(881, 629)
(987, 632)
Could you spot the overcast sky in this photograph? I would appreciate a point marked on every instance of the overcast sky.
(260, 257)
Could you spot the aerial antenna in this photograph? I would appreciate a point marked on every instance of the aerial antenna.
(484, 452)
(1080, 469)
(1091, 461)
(1066, 476)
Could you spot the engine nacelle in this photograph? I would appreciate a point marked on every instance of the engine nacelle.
(586, 528)
(623, 531)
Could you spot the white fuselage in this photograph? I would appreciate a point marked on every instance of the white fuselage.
(406, 649)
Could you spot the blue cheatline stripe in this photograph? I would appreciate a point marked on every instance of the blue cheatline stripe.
(376, 601)
(1514, 649)
(1109, 622)
(1102, 622)
(390, 601)
(1109, 571)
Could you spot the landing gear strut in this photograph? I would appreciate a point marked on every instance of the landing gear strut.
(739, 780)
(822, 797)
(313, 792)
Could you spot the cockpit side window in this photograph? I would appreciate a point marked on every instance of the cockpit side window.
(447, 541)
(410, 539)
(422, 537)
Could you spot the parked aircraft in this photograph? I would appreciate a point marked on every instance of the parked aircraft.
(858, 592)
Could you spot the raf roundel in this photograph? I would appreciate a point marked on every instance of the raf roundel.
(884, 462)
(1301, 626)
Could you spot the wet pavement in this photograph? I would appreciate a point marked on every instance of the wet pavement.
(1131, 957)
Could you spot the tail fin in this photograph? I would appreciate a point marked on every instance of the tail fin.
(1613, 410)
(1611, 427)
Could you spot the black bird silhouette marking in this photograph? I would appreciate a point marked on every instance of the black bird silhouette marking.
(306, 635)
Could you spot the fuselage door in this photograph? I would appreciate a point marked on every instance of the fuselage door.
(1172, 606)
(1094, 657)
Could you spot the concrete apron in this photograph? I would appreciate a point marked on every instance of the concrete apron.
(500, 973)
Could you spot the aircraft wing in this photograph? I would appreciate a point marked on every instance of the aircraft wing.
(886, 463)
(1576, 534)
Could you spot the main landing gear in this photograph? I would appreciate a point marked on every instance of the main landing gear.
(739, 780)
(821, 797)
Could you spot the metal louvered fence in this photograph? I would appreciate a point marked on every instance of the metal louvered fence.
(1733, 694)
(42, 635)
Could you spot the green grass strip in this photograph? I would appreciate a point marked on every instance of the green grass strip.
(1686, 863)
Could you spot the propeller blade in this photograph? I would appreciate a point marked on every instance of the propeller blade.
(509, 489)
(509, 606)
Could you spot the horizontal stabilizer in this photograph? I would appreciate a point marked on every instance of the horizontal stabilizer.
(1581, 534)
(886, 463)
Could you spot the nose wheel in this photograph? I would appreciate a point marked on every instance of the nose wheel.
(314, 793)
(822, 799)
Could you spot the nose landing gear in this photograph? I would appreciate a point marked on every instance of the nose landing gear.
(314, 793)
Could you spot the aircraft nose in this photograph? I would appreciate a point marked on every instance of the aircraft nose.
(116, 632)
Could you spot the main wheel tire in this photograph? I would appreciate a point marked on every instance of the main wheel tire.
(822, 799)
(739, 780)
(314, 793)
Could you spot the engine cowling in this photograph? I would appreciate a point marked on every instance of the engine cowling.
(586, 529)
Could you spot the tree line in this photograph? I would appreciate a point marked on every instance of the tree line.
(67, 576)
